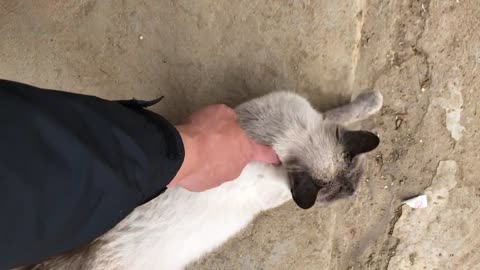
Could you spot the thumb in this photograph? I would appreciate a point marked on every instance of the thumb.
(263, 153)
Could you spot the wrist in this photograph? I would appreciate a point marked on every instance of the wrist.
(190, 160)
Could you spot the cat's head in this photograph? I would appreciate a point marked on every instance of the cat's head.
(325, 163)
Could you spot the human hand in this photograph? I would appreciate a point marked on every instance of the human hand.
(216, 149)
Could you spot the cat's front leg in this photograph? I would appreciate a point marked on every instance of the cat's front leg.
(362, 107)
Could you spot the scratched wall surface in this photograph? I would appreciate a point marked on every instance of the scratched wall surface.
(422, 55)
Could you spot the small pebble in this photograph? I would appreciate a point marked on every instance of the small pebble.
(385, 187)
(140, 37)
(423, 89)
(421, 141)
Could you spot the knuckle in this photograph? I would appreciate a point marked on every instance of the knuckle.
(226, 108)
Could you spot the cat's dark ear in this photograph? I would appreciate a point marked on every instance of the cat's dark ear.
(358, 142)
(304, 190)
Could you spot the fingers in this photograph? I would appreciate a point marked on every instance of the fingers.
(263, 153)
(225, 112)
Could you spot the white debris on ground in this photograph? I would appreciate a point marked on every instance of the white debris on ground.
(417, 202)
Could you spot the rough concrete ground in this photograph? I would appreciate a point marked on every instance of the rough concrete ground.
(423, 55)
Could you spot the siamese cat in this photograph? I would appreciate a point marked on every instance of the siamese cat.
(321, 162)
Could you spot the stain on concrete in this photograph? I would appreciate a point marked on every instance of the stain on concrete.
(453, 106)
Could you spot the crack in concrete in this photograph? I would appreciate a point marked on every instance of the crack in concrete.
(391, 228)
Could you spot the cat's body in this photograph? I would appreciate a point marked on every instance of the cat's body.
(179, 227)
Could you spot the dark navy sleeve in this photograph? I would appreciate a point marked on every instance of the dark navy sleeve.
(73, 166)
